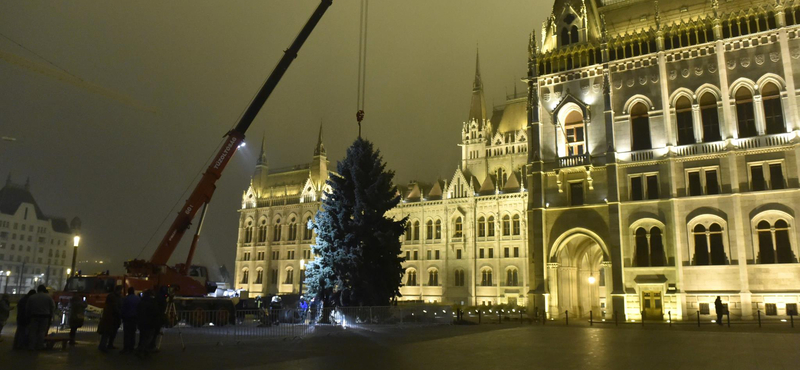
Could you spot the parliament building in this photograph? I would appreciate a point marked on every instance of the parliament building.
(651, 166)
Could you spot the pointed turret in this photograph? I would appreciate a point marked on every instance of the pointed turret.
(320, 149)
(319, 164)
(259, 179)
(477, 109)
(262, 157)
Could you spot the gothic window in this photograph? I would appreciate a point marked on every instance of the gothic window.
(564, 36)
(411, 278)
(307, 232)
(773, 112)
(745, 117)
(574, 137)
(649, 247)
(516, 225)
(683, 112)
(576, 193)
(502, 177)
(259, 276)
(459, 278)
(506, 225)
(481, 227)
(573, 35)
(433, 278)
(640, 127)
(276, 232)
(292, 229)
(486, 277)
(774, 244)
(248, 232)
(262, 231)
(289, 276)
(702, 181)
(490, 227)
(458, 228)
(438, 229)
(429, 230)
(709, 244)
(512, 278)
(642, 248)
(408, 231)
(416, 230)
(245, 276)
(710, 116)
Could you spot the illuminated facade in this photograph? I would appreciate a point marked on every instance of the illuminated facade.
(651, 166)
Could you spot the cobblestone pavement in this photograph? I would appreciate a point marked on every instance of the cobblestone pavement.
(458, 347)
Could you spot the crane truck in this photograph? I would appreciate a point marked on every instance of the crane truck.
(189, 284)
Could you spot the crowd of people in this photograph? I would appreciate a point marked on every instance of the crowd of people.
(35, 313)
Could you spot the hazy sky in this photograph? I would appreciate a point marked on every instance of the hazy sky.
(142, 92)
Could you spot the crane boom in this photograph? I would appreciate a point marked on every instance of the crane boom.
(205, 188)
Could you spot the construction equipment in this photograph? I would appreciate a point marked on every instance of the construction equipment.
(190, 284)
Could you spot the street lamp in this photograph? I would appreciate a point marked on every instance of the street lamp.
(302, 275)
(76, 240)
(591, 279)
(8, 277)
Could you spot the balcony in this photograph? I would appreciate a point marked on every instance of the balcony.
(575, 160)
(700, 149)
(764, 141)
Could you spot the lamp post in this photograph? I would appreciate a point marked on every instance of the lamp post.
(302, 275)
(76, 240)
(8, 277)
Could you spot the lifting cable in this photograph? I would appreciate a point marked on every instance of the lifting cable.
(362, 63)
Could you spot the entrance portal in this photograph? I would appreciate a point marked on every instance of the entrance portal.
(579, 279)
(651, 305)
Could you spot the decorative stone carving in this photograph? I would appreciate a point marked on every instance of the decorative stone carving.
(673, 74)
(712, 67)
(630, 82)
(745, 62)
(760, 59)
(654, 78)
(698, 71)
(795, 53)
(618, 84)
(585, 89)
(685, 72)
(546, 96)
(774, 56)
(642, 80)
(557, 94)
(597, 87)
(731, 64)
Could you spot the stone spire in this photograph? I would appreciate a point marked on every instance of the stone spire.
(319, 150)
(477, 109)
(262, 157)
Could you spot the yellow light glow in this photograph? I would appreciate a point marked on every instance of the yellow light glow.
(76, 240)
(69, 271)
(591, 279)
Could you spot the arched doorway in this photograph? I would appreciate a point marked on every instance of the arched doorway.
(579, 277)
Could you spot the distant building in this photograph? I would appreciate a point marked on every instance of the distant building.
(36, 248)
(652, 165)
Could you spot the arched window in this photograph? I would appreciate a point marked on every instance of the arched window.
(773, 112)
(459, 232)
(408, 231)
(774, 245)
(276, 232)
(502, 177)
(411, 278)
(516, 225)
(490, 226)
(710, 116)
(642, 248)
(262, 231)
(745, 117)
(429, 230)
(657, 255)
(245, 276)
(292, 229)
(573, 35)
(259, 276)
(683, 112)
(486, 277)
(416, 230)
(481, 227)
(459, 278)
(512, 278)
(640, 127)
(564, 37)
(709, 244)
(574, 138)
(289, 276)
(506, 225)
(433, 278)
(715, 241)
(438, 229)
(248, 232)
(307, 230)
(700, 245)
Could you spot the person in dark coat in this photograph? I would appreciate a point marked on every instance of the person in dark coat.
(161, 316)
(39, 309)
(129, 306)
(110, 320)
(5, 310)
(77, 312)
(720, 308)
(21, 336)
(146, 319)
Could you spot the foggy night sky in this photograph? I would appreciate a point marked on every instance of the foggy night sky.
(163, 81)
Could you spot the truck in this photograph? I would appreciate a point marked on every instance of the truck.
(188, 285)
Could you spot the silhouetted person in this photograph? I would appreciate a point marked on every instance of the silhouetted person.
(77, 312)
(146, 318)
(110, 320)
(160, 317)
(129, 306)
(720, 308)
(21, 336)
(5, 310)
(40, 308)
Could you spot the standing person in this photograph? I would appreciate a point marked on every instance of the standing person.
(160, 317)
(110, 320)
(5, 310)
(129, 306)
(146, 316)
(40, 308)
(720, 308)
(77, 311)
(21, 336)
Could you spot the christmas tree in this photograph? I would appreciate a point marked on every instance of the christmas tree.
(357, 248)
